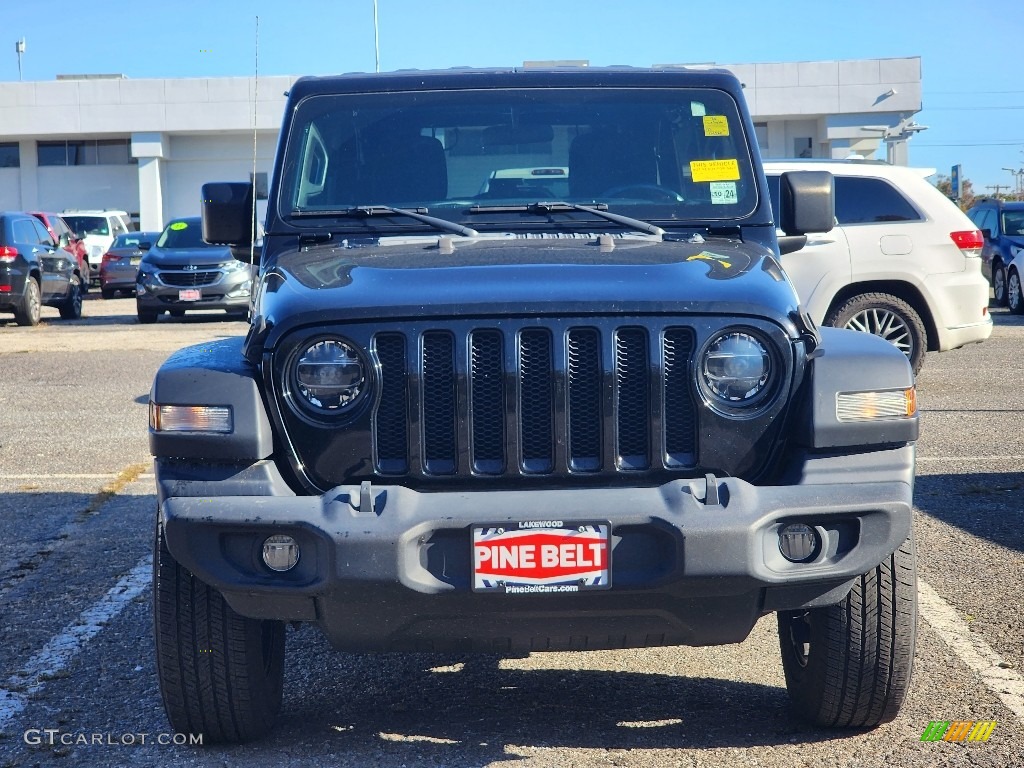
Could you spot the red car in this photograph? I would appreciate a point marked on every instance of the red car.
(57, 227)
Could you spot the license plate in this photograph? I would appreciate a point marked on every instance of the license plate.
(136, 260)
(190, 294)
(541, 557)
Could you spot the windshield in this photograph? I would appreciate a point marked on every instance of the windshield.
(658, 154)
(183, 233)
(88, 225)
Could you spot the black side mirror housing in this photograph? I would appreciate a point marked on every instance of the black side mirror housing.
(64, 241)
(145, 245)
(808, 202)
(227, 212)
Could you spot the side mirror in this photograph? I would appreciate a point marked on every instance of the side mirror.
(145, 245)
(64, 241)
(227, 212)
(808, 202)
(987, 234)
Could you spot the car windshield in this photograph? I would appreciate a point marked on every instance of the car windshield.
(672, 155)
(185, 233)
(88, 225)
(1013, 223)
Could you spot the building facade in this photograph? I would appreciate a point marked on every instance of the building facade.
(147, 146)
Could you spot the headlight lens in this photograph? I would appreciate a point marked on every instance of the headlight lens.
(330, 376)
(737, 368)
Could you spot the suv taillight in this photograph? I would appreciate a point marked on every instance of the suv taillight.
(109, 257)
(970, 240)
(8, 253)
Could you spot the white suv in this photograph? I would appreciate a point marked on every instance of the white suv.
(97, 230)
(903, 261)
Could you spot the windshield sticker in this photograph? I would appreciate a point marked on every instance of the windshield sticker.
(179, 225)
(697, 109)
(708, 256)
(723, 193)
(715, 170)
(716, 125)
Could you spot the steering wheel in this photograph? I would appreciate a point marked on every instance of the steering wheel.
(655, 193)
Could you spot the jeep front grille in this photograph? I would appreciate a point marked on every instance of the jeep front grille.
(550, 399)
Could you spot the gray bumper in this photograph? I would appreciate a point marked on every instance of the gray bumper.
(386, 567)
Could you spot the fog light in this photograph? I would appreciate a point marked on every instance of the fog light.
(798, 542)
(280, 553)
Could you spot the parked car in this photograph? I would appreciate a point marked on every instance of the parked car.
(35, 271)
(61, 234)
(1002, 224)
(1014, 275)
(120, 264)
(181, 273)
(596, 422)
(903, 261)
(98, 229)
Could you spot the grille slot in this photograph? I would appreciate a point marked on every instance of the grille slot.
(557, 399)
(188, 279)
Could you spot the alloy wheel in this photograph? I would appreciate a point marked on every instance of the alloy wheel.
(888, 325)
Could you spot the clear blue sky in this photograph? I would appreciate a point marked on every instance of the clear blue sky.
(973, 75)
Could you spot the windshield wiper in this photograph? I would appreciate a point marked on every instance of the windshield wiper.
(542, 209)
(365, 211)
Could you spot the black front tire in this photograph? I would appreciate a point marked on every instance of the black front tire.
(888, 317)
(221, 674)
(107, 293)
(1014, 293)
(849, 665)
(999, 293)
(146, 317)
(71, 307)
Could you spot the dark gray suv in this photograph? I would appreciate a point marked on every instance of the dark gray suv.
(182, 273)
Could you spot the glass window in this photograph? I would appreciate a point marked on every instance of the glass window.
(185, 233)
(1013, 223)
(862, 200)
(52, 152)
(42, 236)
(658, 154)
(85, 224)
(23, 231)
(113, 152)
(9, 155)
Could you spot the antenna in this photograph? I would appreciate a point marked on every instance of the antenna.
(255, 101)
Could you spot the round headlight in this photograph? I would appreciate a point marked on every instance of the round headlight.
(330, 376)
(736, 368)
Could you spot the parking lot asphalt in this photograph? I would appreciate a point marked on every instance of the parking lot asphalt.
(77, 678)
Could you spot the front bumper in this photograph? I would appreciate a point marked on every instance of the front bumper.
(388, 568)
(230, 292)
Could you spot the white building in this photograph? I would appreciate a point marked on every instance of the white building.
(146, 146)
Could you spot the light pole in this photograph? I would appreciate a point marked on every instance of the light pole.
(376, 38)
(19, 48)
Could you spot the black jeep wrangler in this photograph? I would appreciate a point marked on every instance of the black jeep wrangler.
(524, 374)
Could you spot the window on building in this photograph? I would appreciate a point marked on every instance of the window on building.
(88, 152)
(802, 147)
(9, 156)
(761, 133)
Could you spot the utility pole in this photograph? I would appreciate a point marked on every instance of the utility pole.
(997, 188)
(376, 36)
(1018, 182)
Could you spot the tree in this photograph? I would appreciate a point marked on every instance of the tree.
(945, 186)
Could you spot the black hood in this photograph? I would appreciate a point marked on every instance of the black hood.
(522, 277)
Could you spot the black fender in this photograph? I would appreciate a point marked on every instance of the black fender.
(213, 374)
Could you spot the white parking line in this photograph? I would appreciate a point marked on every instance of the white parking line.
(1000, 457)
(62, 648)
(1004, 682)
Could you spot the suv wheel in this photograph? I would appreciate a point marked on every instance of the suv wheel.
(107, 293)
(86, 280)
(31, 304)
(1014, 297)
(886, 316)
(221, 674)
(71, 307)
(146, 317)
(999, 284)
(849, 665)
